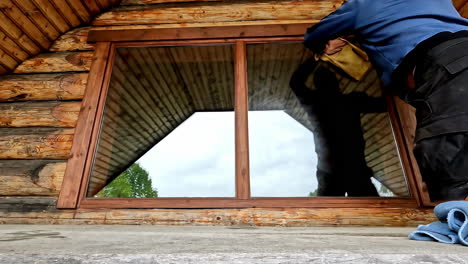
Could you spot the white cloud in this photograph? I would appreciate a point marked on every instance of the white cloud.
(197, 158)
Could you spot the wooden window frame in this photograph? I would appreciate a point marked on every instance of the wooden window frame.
(73, 192)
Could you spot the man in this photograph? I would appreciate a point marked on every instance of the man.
(338, 136)
(426, 43)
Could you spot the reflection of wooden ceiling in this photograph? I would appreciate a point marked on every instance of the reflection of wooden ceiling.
(153, 90)
(28, 27)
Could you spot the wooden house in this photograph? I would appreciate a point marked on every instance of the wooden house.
(88, 86)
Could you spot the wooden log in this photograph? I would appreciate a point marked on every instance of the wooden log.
(73, 40)
(24, 205)
(67, 86)
(31, 177)
(219, 12)
(35, 143)
(37, 114)
(57, 62)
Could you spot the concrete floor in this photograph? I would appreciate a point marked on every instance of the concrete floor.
(172, 244)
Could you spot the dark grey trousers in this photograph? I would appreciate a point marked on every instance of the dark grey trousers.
(441, 101)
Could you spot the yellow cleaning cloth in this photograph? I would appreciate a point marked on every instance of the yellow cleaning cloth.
(351, 59)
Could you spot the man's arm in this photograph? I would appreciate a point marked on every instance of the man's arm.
(304, 94)
(337, 24)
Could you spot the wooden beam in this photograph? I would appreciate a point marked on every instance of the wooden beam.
(76, 39)
(39, 114)
(305, 202)
(219, 12)
(241, 122)
(63, 86)
(281, 30)
(31, 177)
(57, 62)
(41, 211)
(74, 174)
(35, 143)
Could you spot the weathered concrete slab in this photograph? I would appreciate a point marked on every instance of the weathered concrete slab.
(171, 244)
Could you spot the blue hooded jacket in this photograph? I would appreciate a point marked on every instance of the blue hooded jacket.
(387, 29)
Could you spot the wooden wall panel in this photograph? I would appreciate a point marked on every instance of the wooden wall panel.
(35, 143)
(31, 177)
(57, 62)
(39, 114)
(61, 86)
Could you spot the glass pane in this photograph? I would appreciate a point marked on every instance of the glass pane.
(335, 141)
(168, 124)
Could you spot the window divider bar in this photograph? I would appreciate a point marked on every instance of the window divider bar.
(241, 122)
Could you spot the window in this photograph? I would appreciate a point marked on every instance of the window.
(211, 122)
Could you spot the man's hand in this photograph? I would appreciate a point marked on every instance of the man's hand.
(334, 46)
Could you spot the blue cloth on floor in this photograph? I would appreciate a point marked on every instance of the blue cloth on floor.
(452, 228)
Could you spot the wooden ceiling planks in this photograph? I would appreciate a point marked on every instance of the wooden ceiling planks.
(29, 27)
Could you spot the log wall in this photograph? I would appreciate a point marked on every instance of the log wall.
(39, 106)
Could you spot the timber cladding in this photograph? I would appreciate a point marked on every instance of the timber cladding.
(30, 27)
(39, 104)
